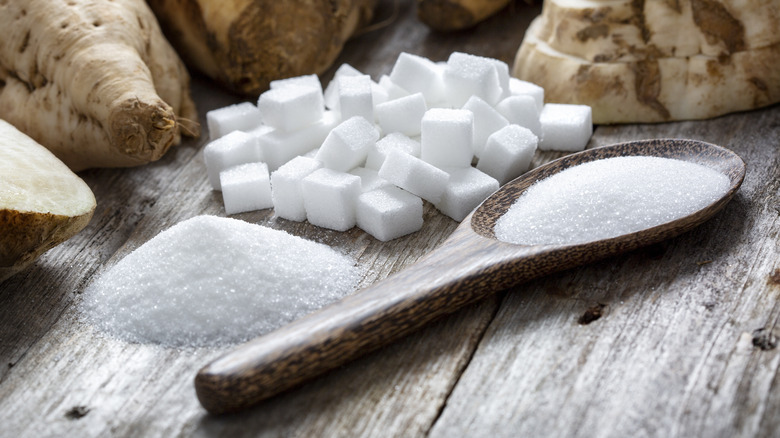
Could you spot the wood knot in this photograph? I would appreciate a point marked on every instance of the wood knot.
(764, 339)
(592, 314)
(76, 412)
(774, 277)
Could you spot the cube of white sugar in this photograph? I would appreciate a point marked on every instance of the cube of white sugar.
(332, 101)
(467, 188)
(279, 147)
(258, 132)
(329, 198)
(486, 121)
(286, 187)
(393, 90)
(502, 68)
(520, 87)
(389, 213)
(246, 187)
(508, 153)
(312, 81)
(347, 145)
(565, 127)
(402, 115)
(355, 98)
(447, 137)
(237, 147)
(291, 108)
(239, 117)
(417, 74)
(414, 175)
(331, 94)
(395, 140)
(378, 94)
(469, 75)
(521, 110)
(369, 179)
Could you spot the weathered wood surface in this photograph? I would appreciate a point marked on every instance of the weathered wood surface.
(684, 346)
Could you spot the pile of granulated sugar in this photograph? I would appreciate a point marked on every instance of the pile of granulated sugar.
(213, 281)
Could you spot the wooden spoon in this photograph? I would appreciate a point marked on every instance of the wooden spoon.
(469, 266)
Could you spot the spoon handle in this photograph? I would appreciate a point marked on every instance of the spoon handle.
(456, 274)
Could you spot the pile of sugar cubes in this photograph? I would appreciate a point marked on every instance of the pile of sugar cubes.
(366, 153)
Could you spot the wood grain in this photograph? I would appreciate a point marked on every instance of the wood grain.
(672, 354)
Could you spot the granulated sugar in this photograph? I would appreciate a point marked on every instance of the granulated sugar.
(215, 281)
(608, 198)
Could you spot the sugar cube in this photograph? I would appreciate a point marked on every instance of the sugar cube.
(521, 110)
(355, 98)
(329, 198)
(502, 68)
(286, 191)
(467, 188)
(378, 94)
(347, 145)
(246, 187)
(258, 132)
(520, 87)
(237, 147)
(414, 175)
(278, 147)
(469, 75)
(331, 93)
(291, 107)
(312, 81)
(417, 74)
(486, 121)
(369, 179)
(394, 140)
(508, 153)
(393, 90)
(402, 115)
(565, 127)
(239, 117)
(389, 212)
(447, 137)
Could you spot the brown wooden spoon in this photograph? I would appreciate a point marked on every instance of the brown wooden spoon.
(470, 265)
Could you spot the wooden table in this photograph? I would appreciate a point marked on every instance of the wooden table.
(684, 345)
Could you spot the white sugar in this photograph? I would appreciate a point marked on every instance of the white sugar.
(291, 107)
(215, 281)
(417, 74)
(565, 127)
(468, 75)
(246, 187)
(388, 213)
(487, 120)
(608, 198)
(402, 115)
(355, 97)
(394, 140)
(447, 138)
(347, 145)
(312, 81)
(239, 117)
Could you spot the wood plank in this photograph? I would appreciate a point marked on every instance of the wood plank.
(673, 353)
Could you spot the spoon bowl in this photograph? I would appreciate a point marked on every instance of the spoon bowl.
(468, 266)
